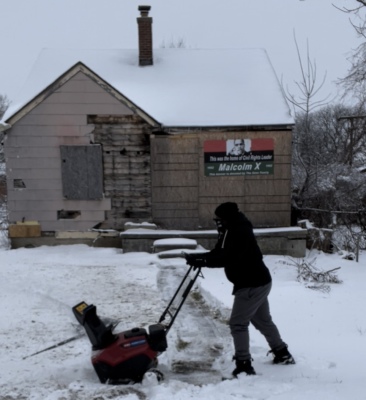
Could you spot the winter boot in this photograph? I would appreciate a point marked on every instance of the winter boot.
(282, 356)
(243, 366)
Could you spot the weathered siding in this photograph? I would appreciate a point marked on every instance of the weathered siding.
(175, 181)
(183, 197)
(32, 149)
(127, 169)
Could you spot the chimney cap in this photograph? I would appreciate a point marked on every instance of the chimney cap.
(144, 10)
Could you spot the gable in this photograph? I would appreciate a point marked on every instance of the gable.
(68, 80)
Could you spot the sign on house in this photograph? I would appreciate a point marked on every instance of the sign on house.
(238, 157)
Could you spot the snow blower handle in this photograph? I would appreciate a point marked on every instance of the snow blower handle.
(180, 295)
(195, 260)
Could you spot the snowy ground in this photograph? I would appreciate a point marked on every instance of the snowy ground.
(326, 331)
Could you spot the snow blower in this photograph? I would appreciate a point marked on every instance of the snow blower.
(122, 358)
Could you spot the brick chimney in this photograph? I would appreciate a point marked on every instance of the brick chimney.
(144, 23)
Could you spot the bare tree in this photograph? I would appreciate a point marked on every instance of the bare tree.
(4, 104)
(357, 11)
(308, 85)
(304, 143)
(174, 44)
(328, 167)
(4, 241)
(354, 82)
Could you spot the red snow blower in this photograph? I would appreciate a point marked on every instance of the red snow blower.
(122, 358)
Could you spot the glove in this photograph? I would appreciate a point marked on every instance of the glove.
(195, 260)
(189, 258)
(199, 263)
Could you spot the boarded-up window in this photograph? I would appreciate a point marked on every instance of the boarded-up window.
(82, 172)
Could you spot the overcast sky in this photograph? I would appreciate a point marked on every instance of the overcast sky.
(27, 26)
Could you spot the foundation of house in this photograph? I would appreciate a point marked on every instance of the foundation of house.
(289, 241)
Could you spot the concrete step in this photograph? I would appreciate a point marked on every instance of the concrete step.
(161, 245)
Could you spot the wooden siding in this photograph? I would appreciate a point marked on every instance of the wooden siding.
(32, 151)
(127, 169)
(184, 198)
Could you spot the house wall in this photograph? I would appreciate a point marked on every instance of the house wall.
(183, 197)
(33, 160)
(126, 166)
(146, 177)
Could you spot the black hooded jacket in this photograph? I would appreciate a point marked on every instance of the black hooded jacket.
(238, 252)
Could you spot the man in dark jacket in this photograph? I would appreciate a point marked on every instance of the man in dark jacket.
(238, 253)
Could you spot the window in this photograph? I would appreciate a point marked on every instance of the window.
(82, 172)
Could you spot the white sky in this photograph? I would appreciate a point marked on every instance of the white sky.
(29, 26)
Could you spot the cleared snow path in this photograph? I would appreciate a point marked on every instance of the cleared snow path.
(197, 339)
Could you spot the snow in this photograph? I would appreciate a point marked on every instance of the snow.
(174, 241)
(326, 331)
(143, 225)
(135, 231)
(184, 87)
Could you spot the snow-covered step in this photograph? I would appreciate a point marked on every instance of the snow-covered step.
(173, 244)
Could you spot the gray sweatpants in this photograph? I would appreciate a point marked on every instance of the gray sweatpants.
(251, 305)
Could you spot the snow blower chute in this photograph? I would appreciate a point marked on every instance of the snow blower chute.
(121, 358)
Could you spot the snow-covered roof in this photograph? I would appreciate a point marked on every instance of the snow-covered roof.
(184, 87)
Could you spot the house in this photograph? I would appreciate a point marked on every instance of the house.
(101, 138)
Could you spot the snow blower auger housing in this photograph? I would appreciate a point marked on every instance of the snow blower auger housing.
(122, 358)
